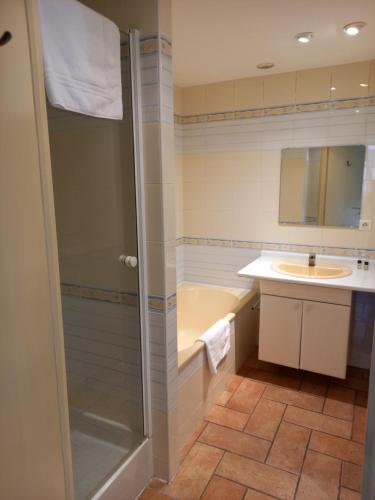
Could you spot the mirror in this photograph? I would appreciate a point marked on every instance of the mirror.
(322, 186)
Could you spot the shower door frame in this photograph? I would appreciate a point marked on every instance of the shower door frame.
(118, 485)
(124, 482)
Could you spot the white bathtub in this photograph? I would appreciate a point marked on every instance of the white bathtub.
(198, 308)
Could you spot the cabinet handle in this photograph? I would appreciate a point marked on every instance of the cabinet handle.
(5, 38)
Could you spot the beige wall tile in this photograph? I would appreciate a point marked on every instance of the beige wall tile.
(194, 223)
(279, 89)
(155, 265)
(194, 100)
(168, 153)
(170, 267)
(152, 153)
(246, 165)
(220, 97)
(169, 212)
(165, 17)
(154, 212)
(177, 100)
(194, 195)
(248, 93)
(194, 168)
(372, 78)
(347, 78)
(218, 223)
(313, 85)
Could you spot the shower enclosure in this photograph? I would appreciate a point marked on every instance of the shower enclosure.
(97, 185)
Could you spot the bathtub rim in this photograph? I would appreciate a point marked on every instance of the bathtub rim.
(245, 296)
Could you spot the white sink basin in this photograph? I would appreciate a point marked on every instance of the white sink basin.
(305, 271)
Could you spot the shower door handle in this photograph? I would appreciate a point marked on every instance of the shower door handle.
(128, 261)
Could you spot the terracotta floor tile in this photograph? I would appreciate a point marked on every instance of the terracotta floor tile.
(156, 484)
(190, 442)
(223, 489)
(150, 494)
(314, 383)
(346, 494)
(320, 478)
(265, 419)
(259, 476)
(346, 450)
(194, 473)
(235, 441)
(288, 449)
(318, 421)
(295, 398)
(224, 397)
(233, 383)
(351, 476)
(361, 398)
(255, 495)
(359, 424)
(227, 417)
(275, 379)
(340, 402)
(246, 396)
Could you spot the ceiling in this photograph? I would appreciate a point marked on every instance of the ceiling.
(217, 40)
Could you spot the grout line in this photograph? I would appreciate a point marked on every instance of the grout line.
(213, 474)
(339, 485)
(302, 465)
(276, 432)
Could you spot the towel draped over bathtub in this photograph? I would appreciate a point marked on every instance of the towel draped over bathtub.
(82, 61)
(217, 342)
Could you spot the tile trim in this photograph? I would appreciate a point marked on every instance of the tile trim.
(263, 245)
(275, 111)
(156, 303)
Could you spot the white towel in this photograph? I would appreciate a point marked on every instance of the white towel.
(217, 341)
(82, 62)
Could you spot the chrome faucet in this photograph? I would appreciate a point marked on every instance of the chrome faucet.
(312, 257)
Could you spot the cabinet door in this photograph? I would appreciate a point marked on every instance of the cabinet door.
(325, 336)
(280, 330)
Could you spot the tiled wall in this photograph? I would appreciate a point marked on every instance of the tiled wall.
(229, 138)
(231, 176)
(279, 89)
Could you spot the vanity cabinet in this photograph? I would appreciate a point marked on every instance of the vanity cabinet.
(304, 326)
(280, 330)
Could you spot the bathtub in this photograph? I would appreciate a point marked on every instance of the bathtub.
(199, 307)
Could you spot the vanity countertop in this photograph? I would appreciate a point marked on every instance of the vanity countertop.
(359, 280)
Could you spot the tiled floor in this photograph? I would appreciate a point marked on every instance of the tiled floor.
(276, 433)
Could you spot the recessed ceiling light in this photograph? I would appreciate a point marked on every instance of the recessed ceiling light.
(353, 29)
(266, 65)
(363, 84)
(357, 110)
(333, 88)
(304, 37)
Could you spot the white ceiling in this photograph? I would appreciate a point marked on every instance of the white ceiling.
(216, 40)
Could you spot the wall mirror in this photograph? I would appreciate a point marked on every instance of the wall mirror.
(322, 186)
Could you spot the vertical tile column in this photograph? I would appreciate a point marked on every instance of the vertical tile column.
(158, 131)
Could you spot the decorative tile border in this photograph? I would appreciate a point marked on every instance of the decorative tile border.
(156, 303)
(261, 245)
(156, 43)
(276, 111)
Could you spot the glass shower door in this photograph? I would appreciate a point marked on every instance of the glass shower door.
(95, 200)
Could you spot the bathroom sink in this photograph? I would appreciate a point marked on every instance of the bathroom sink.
(305, 271)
